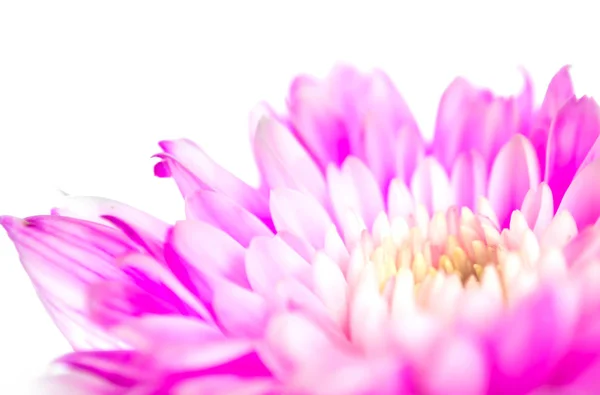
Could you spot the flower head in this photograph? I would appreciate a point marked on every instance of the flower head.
(370, 261)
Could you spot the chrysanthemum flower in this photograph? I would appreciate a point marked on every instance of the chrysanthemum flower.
(369, 261)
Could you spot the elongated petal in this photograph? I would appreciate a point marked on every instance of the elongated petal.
(209, 251)
(63, 257)
(430, 186)
(560, 90)
(301, 214)
(514, 172)
(573, 132)
(284, 162)
(192, 169)
(582, 198)
(354, 188)
(224, 213)
(469, 179)
(173, 343)
(270, 260)
(317, 123)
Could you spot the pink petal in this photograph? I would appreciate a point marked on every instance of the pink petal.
(430, 185)
(400, 201)
(241, 312)
(300, 214)
(173, 342)
(573, 132)
(96, 209)
(469, 179)
(269, 261)
(156, 279)
(538, 208)
(529, 340)
(409, 150)
(111, 302)
(284, 162)
(452, 135)
(354, 188)
(63, 257)
(560, 90)
(317, 123)
(392, 142)
(224, 213)
(514, 172)
(582, 198)
(192, 169)
(122, 369)
(209, 251)
(225, 385)
(331, 288)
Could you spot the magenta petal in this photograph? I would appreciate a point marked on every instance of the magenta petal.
(514, 172)
(538, 208)
(209, 251)
(354, 188)
(97, 209)
(224, 213)
(573, 132)
(392, 142)
(173, 342)
(460, 103)
(239, 311)
(430, 186)
(192, 169)
(560, 90)
(63, 257)
(270, 260)
(112, 302)
(582, 198)
(469, 179)
(124, 369)
(316, 122)
(301, 214)
(284, 162)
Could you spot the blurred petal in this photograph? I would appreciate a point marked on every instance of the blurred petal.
(224, 213)
(514, 172)
(63, 257)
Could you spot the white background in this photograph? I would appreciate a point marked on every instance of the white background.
(87, 88)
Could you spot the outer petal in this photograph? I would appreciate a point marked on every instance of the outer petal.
(573, 132)
(192, 169)
(271, 260)
(469, 179)
(514, 172)
(354, 188)
(210, 253)
(317, 123)
(63, 257)
(560, 90)
(430, 186)
(392, 142)
(582, 198)
(300, 214)
(224, 213)
(284, 162)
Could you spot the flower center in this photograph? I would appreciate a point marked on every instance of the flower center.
(456, 242)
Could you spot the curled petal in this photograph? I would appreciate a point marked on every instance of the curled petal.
(192, 170)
